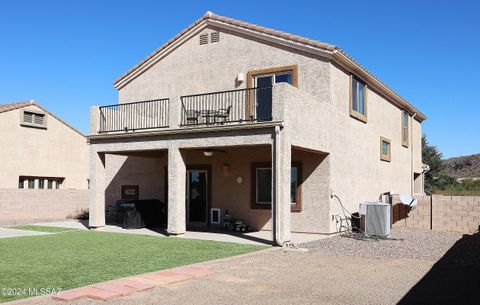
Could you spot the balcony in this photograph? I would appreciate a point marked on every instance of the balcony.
(227, 107)
(134, 116)
(208, 109)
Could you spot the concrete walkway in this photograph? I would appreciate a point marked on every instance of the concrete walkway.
(255, 238)
(8, 233)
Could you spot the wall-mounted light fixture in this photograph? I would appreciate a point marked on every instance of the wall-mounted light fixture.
(208, 153)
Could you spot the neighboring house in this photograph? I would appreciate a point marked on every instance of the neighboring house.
(233, 116)
(42, 157)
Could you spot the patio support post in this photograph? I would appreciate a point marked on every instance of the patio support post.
(96, 211)
(281, 167)
(176, 192)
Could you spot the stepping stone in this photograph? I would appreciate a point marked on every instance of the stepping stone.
(138, 285)
(167, 277)
(146, 281)
(101, 294)
(194, 272)
(115, 287)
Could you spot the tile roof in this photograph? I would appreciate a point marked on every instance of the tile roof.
(13, 106)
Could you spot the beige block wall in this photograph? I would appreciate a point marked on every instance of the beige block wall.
(28, 206)
(358, 174)
(444, 213)
(58, 151)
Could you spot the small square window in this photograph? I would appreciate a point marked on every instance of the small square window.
(385, 149)
(31, 183)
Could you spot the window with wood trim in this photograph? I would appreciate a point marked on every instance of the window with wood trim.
(33, 119)
(358, 99)
(259, 106)
(405, 128)
(385, 149)
(262, 186)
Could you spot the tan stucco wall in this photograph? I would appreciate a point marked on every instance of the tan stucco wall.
(57, 151)
(227, 194)
(357, 173)
(194, 68)
(315, 116)
(146, 172)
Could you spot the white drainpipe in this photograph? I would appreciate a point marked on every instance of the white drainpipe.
(411, 156)
(276, 185)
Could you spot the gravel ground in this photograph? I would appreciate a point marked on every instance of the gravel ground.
(335, 271)
(404, 243)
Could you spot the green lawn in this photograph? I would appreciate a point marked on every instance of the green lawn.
(78, 258)
(42, 228)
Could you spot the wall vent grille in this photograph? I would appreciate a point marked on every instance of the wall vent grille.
(215, 37)
(203, 39)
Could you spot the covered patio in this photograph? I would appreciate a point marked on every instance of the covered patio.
(261, 183)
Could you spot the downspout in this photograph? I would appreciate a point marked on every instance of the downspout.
(411, 155)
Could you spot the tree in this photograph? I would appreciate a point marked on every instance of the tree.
(435, 178)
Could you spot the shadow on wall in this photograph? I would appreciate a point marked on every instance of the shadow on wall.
(145, 171)
(454, 279)
(400, 212)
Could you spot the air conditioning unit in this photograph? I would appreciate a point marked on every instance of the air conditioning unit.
(375, 219)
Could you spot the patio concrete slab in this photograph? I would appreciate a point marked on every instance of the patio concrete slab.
(253, 238)
(8, 233)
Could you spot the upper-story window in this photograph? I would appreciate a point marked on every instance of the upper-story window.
(385, 149)
(358, 99)
(405, 128)
(33, 119)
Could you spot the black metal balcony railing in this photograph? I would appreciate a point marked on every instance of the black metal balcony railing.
(234, 106)
(134, 116)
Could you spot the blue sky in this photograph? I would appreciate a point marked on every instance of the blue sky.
(66, 54)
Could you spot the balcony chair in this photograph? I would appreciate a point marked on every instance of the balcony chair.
(221, 116)
(191, 117)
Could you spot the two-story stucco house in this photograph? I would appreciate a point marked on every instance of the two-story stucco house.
(271, 127)
(44, 168)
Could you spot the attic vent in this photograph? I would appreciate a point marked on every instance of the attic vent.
(215, 37)
(28, 117)
(204, 39)
(33, 119)
(38, 119)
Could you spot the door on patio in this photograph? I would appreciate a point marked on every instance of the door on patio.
(197, 196)
(264, 93)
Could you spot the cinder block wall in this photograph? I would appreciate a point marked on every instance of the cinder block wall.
(442, 213)
(21, 206)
